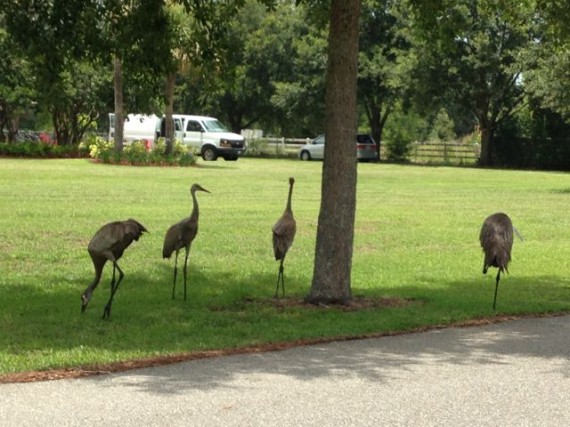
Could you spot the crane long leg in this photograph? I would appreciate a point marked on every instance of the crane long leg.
(114, 287)
(496, 289)
(280, 279)
(175, 271)
(185, 270)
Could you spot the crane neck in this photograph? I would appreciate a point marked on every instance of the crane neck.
(288, 208)
(195, 211)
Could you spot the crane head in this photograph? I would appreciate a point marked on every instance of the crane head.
(291, 180)
(197, 187)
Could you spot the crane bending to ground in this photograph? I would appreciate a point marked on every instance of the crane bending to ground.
(181, 235)
(496, 239)
(108, 244)
(283, 236)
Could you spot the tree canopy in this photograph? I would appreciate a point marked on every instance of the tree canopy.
(261, 64)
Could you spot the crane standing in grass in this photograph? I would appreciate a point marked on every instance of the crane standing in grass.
(108, 244)
(283, 236)
(181, 235)
(496, 239)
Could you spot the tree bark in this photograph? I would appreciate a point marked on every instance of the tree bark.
(169, 111)
(486, 141)
(335, 231)
(376, 119)
(487, 127)
(119, 113)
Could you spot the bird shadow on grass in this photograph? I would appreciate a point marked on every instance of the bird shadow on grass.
(143, 300)
(561, 191)
(384, 358)
(212, 165)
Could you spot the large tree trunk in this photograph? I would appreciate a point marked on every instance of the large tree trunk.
(119, 113)
(487, 130)
(335, 231)
(169, 111)
(376, 119)
(61, 127)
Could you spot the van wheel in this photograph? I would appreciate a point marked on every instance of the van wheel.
(305, 155)
(209, 154)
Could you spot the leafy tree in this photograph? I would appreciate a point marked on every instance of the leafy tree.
(335, 231)
(260, 76)
(134, 37)
(549, 82)
(298, 99)
(472, 55)
(76, 99)
(442, 128)
(403, 128)
(54, 37)
(16, 86)
(385, 62)
(240, 88)
(183, 50)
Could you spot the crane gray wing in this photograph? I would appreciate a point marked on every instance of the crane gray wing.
(283, 235)
(171, 241)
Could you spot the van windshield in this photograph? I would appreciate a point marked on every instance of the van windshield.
(214, 126)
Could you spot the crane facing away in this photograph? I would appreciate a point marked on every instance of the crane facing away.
(181, 235)
(108, 244)
(283, 236)
(496, 239)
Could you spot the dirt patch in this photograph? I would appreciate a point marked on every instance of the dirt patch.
(85, 371)
(357, 303)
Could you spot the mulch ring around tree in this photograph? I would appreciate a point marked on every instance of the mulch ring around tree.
(355, 304)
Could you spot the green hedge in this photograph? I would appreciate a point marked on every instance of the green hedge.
(40, 149)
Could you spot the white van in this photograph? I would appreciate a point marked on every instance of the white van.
(207, 135)
(137, 127)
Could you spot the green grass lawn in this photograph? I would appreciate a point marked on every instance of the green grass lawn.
(416, 237)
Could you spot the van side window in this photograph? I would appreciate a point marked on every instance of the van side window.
(177, 125)
(193, 126)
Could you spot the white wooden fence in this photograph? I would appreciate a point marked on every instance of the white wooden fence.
(421, 152)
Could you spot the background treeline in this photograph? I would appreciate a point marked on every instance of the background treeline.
(495, 72)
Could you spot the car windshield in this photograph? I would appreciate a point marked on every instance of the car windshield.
(214, 125)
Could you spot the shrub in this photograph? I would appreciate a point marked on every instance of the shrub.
(443, 127)
(179, 149)
(398, 150)
(159, 148)
(102, 150)
(187, 159)
(257, 148)
(85, 145)
(137, 153)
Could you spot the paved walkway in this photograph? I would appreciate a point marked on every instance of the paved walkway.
(515, 373)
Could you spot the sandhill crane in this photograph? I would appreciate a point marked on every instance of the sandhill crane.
(283, 236)
(181, 235)
(108, 244)
(497, 241)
